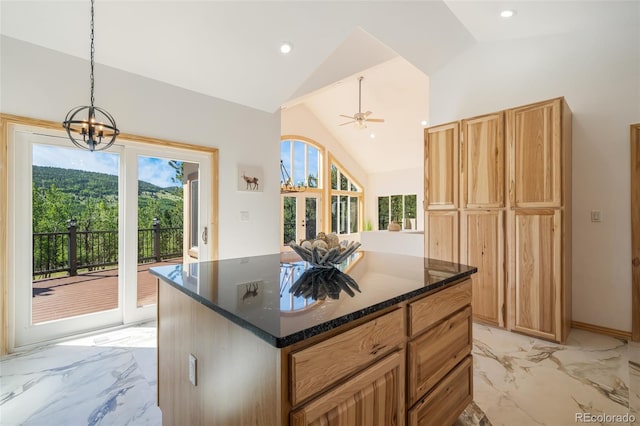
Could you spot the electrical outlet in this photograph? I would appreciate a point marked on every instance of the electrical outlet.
(244, 216)
(193, 369)
(596, 216)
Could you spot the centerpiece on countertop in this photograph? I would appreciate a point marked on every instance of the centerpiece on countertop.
(325, 251)
(320, 283)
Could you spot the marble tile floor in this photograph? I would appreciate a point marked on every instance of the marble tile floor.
(522, 381)
(110, 379)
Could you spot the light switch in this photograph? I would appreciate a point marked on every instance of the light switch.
(244, 216)
(193, 369)
(596, 216)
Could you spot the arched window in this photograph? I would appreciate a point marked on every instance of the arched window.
(303, 161)
(301, 190)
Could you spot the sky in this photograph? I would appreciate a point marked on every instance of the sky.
(152, 170)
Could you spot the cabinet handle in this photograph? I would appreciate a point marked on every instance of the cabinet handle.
(205, 235)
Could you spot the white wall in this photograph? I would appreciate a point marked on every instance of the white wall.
(409, 181)
(40, 83)
(599, 75)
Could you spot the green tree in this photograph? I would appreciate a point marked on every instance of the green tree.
(51, 209)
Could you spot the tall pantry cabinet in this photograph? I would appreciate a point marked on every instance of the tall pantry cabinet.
(498, 196)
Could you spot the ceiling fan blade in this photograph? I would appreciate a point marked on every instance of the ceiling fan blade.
(348, 122)
(376, 120)
(347, 116)
(368, 113)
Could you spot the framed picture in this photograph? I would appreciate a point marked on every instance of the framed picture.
(250, 178)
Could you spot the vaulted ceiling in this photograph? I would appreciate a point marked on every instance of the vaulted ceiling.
(230, 50)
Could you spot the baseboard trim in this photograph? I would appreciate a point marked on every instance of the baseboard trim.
(601, 330)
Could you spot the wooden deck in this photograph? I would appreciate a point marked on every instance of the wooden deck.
(57, 298)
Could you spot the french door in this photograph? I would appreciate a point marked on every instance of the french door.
(301, 219)
(86, 226)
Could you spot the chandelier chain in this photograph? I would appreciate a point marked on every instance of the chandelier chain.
(92, 52)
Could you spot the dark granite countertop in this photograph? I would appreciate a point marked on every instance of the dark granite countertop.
(253, 292)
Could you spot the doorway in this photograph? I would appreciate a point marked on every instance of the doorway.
(82, 243)
(300, 218)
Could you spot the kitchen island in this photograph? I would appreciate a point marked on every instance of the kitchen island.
(236, 347)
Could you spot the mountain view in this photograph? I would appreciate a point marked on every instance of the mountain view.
(92, 199)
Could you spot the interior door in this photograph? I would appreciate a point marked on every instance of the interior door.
(300, 218)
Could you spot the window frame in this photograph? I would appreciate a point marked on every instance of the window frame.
(321, 155)
(359, 195)
(389, 209)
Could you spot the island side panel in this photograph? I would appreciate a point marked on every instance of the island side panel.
(238, 374)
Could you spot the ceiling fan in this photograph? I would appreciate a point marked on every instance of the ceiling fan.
(360, 118)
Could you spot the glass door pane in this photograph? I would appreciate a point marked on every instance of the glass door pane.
(74, 232)
(161, 219)
(289, 220)
(300, 218)
(310, 223)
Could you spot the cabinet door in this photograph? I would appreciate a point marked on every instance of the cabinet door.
(374, 397)
(534, 134)
(441, 236)
(482, 245)
(441, 167)
(536, 273)
(483, 166)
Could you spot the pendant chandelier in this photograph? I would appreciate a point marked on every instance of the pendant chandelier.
(286, 184)
(97, 131)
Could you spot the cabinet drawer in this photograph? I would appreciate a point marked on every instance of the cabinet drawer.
(433, 354)
(449, 398)
(427, 311)
(315, 368)
(369, 398)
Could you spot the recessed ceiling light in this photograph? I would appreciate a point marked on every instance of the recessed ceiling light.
(286, 47)
(423, 122)
(372, 135)
(507, 13)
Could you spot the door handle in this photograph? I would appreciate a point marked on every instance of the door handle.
(205, 235)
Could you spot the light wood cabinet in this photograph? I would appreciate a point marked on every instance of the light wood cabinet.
(370, 372)
(368, 399)
(482, 245)
(425, 312)
(536, 271)
(432, 355)
(535, 149)
(483, 163)
(441, 235)
(515, 195)
(316, 368)
(440, 406)
(441, 167)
